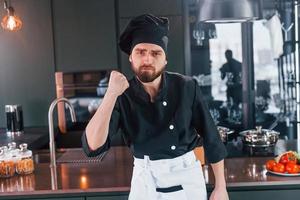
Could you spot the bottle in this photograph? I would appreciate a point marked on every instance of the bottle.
(25, 164)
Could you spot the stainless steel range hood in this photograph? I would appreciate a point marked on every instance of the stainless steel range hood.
(229, 11)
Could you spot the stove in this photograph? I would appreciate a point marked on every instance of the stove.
(259, 150)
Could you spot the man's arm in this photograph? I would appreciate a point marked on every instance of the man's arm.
(218, 169)
(223, 72)
(219, 192)
(215, 150)
(97, 128)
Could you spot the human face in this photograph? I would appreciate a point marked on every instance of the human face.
(147, 61)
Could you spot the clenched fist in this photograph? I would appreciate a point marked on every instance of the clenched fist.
(117, 83)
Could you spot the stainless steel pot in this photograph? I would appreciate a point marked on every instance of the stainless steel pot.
(224, 132)
(259, 137)
(102, 87)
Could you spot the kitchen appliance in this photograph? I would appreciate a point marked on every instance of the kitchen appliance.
(84, 90)
(259, 141)
(14, 120)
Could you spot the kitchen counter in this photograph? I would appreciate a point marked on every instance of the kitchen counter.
(35, 137)
(111, 178)
(38, 138)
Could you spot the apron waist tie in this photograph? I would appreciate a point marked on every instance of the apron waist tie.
(149, 179)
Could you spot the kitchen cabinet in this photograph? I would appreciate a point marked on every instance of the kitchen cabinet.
(110, 180)
(265, 194)
(131, 8)
(277, 193)
(62, 198)
(84, 35)
(122, 197)
(233, 195)
(45, 197)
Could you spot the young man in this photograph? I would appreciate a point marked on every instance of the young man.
(163, 118)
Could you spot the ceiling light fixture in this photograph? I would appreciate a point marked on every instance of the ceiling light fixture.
(229, 11)
(10, 21)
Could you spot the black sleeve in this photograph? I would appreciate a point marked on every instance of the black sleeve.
(214, 148)
(113, 129)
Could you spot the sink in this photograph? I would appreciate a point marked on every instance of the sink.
(78, 156)
(73, 155)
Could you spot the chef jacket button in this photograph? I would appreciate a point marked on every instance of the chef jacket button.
(171, 127)
(164, 103)
(173, 147)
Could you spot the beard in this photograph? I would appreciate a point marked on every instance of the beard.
(147, 73)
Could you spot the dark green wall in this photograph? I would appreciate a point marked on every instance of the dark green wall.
(71, 35)
(26, 62)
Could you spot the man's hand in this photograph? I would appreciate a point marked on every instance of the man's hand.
(219, 194)
(117, 83)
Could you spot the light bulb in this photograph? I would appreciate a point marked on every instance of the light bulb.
(11, 22)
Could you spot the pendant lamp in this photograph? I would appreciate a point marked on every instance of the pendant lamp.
(229, 11)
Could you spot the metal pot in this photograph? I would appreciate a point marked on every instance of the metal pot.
(224, 132)
(102, 87)
(259, 137)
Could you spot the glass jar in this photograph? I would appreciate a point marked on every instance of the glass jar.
(13, 152)
(7, 165)
(25, 164)
(12, 146)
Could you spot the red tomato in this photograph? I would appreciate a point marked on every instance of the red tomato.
(279, 167)
(284, 159)
(270, 164)
(288, 157)
(293, 161)
(291, 168)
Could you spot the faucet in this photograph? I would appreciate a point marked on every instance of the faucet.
(51, 129)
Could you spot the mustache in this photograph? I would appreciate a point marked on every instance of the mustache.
(147, 66)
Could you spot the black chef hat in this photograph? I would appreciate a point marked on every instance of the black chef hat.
(145, 28)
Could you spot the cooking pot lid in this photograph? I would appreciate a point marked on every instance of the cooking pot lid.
(259, 132)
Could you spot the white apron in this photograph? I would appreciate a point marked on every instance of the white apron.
(180, 178)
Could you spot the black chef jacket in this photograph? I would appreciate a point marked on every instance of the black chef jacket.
(175, 123)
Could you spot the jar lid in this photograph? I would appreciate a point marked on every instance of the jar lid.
(12, 146)
(23, 146)
(24, 152)
(6, 154)
(4, 148)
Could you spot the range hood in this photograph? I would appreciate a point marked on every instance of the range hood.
(229, 11)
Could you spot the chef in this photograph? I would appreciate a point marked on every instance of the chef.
(163, 118)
